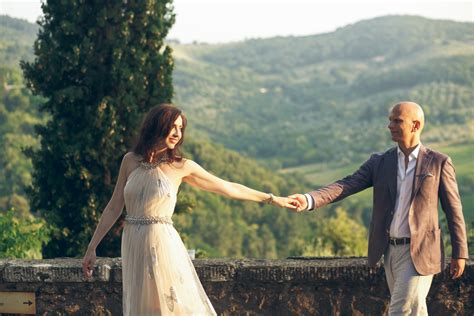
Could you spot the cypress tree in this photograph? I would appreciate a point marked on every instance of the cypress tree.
(101, 65)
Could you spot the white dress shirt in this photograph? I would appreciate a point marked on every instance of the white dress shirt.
(405, 176)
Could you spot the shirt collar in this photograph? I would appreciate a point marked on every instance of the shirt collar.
(413, 154)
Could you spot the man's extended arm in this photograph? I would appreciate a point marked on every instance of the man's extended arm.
(358, 181)
(451, 204)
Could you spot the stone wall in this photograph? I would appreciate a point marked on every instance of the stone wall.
(304, 286)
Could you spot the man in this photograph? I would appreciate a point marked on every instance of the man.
(408, 180)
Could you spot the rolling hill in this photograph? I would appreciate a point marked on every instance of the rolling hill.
(311, 109)
(299, 100)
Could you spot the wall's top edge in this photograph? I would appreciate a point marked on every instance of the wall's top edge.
(209, 270)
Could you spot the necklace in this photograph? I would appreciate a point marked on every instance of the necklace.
(153, 165)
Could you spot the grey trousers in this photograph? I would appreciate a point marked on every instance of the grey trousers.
(408, 289)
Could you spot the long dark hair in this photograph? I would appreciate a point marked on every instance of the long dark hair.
(156, 126)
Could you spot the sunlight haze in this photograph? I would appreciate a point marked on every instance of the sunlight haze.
(220, 21)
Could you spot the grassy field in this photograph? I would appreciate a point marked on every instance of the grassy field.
(462, 156)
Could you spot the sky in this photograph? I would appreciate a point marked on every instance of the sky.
(222, 21)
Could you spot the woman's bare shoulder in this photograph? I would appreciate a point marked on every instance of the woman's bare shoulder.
(187, 163)
(131, 161)
(132, 156)
(184, 165)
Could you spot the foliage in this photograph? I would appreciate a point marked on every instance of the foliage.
(18, 115)
(22, 237)
(339, 235)
(100, 67)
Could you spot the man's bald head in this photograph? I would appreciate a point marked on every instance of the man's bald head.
(411, 110)
(406, 123)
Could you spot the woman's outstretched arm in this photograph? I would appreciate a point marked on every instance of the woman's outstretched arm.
(198, 177)
(109, 216)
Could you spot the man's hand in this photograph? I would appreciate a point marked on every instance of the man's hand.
(302, 201)
(457, 267)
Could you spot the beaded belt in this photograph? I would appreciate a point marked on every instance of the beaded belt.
(147, 220)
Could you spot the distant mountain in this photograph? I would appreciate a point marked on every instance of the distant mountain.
(299, 100)
(16, 40)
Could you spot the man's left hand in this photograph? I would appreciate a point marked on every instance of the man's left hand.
(457, 267)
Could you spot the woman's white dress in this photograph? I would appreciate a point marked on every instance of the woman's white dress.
(158, 276)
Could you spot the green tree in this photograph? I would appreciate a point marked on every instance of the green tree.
(101, 66)
(339, 235)
(18, 115)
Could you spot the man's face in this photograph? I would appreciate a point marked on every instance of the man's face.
(401, 126)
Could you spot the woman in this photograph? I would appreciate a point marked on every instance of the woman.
(158, 275)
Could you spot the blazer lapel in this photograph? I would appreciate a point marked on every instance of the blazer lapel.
(392, 170)
(421, 171)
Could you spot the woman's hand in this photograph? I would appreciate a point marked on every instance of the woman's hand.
(286, 202)
(88, 263)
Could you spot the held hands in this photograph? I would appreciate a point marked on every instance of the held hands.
(303, 203)
(295, 202)
(88, 263)
(286, 202)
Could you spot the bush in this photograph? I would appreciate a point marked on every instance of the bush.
(22, 237)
